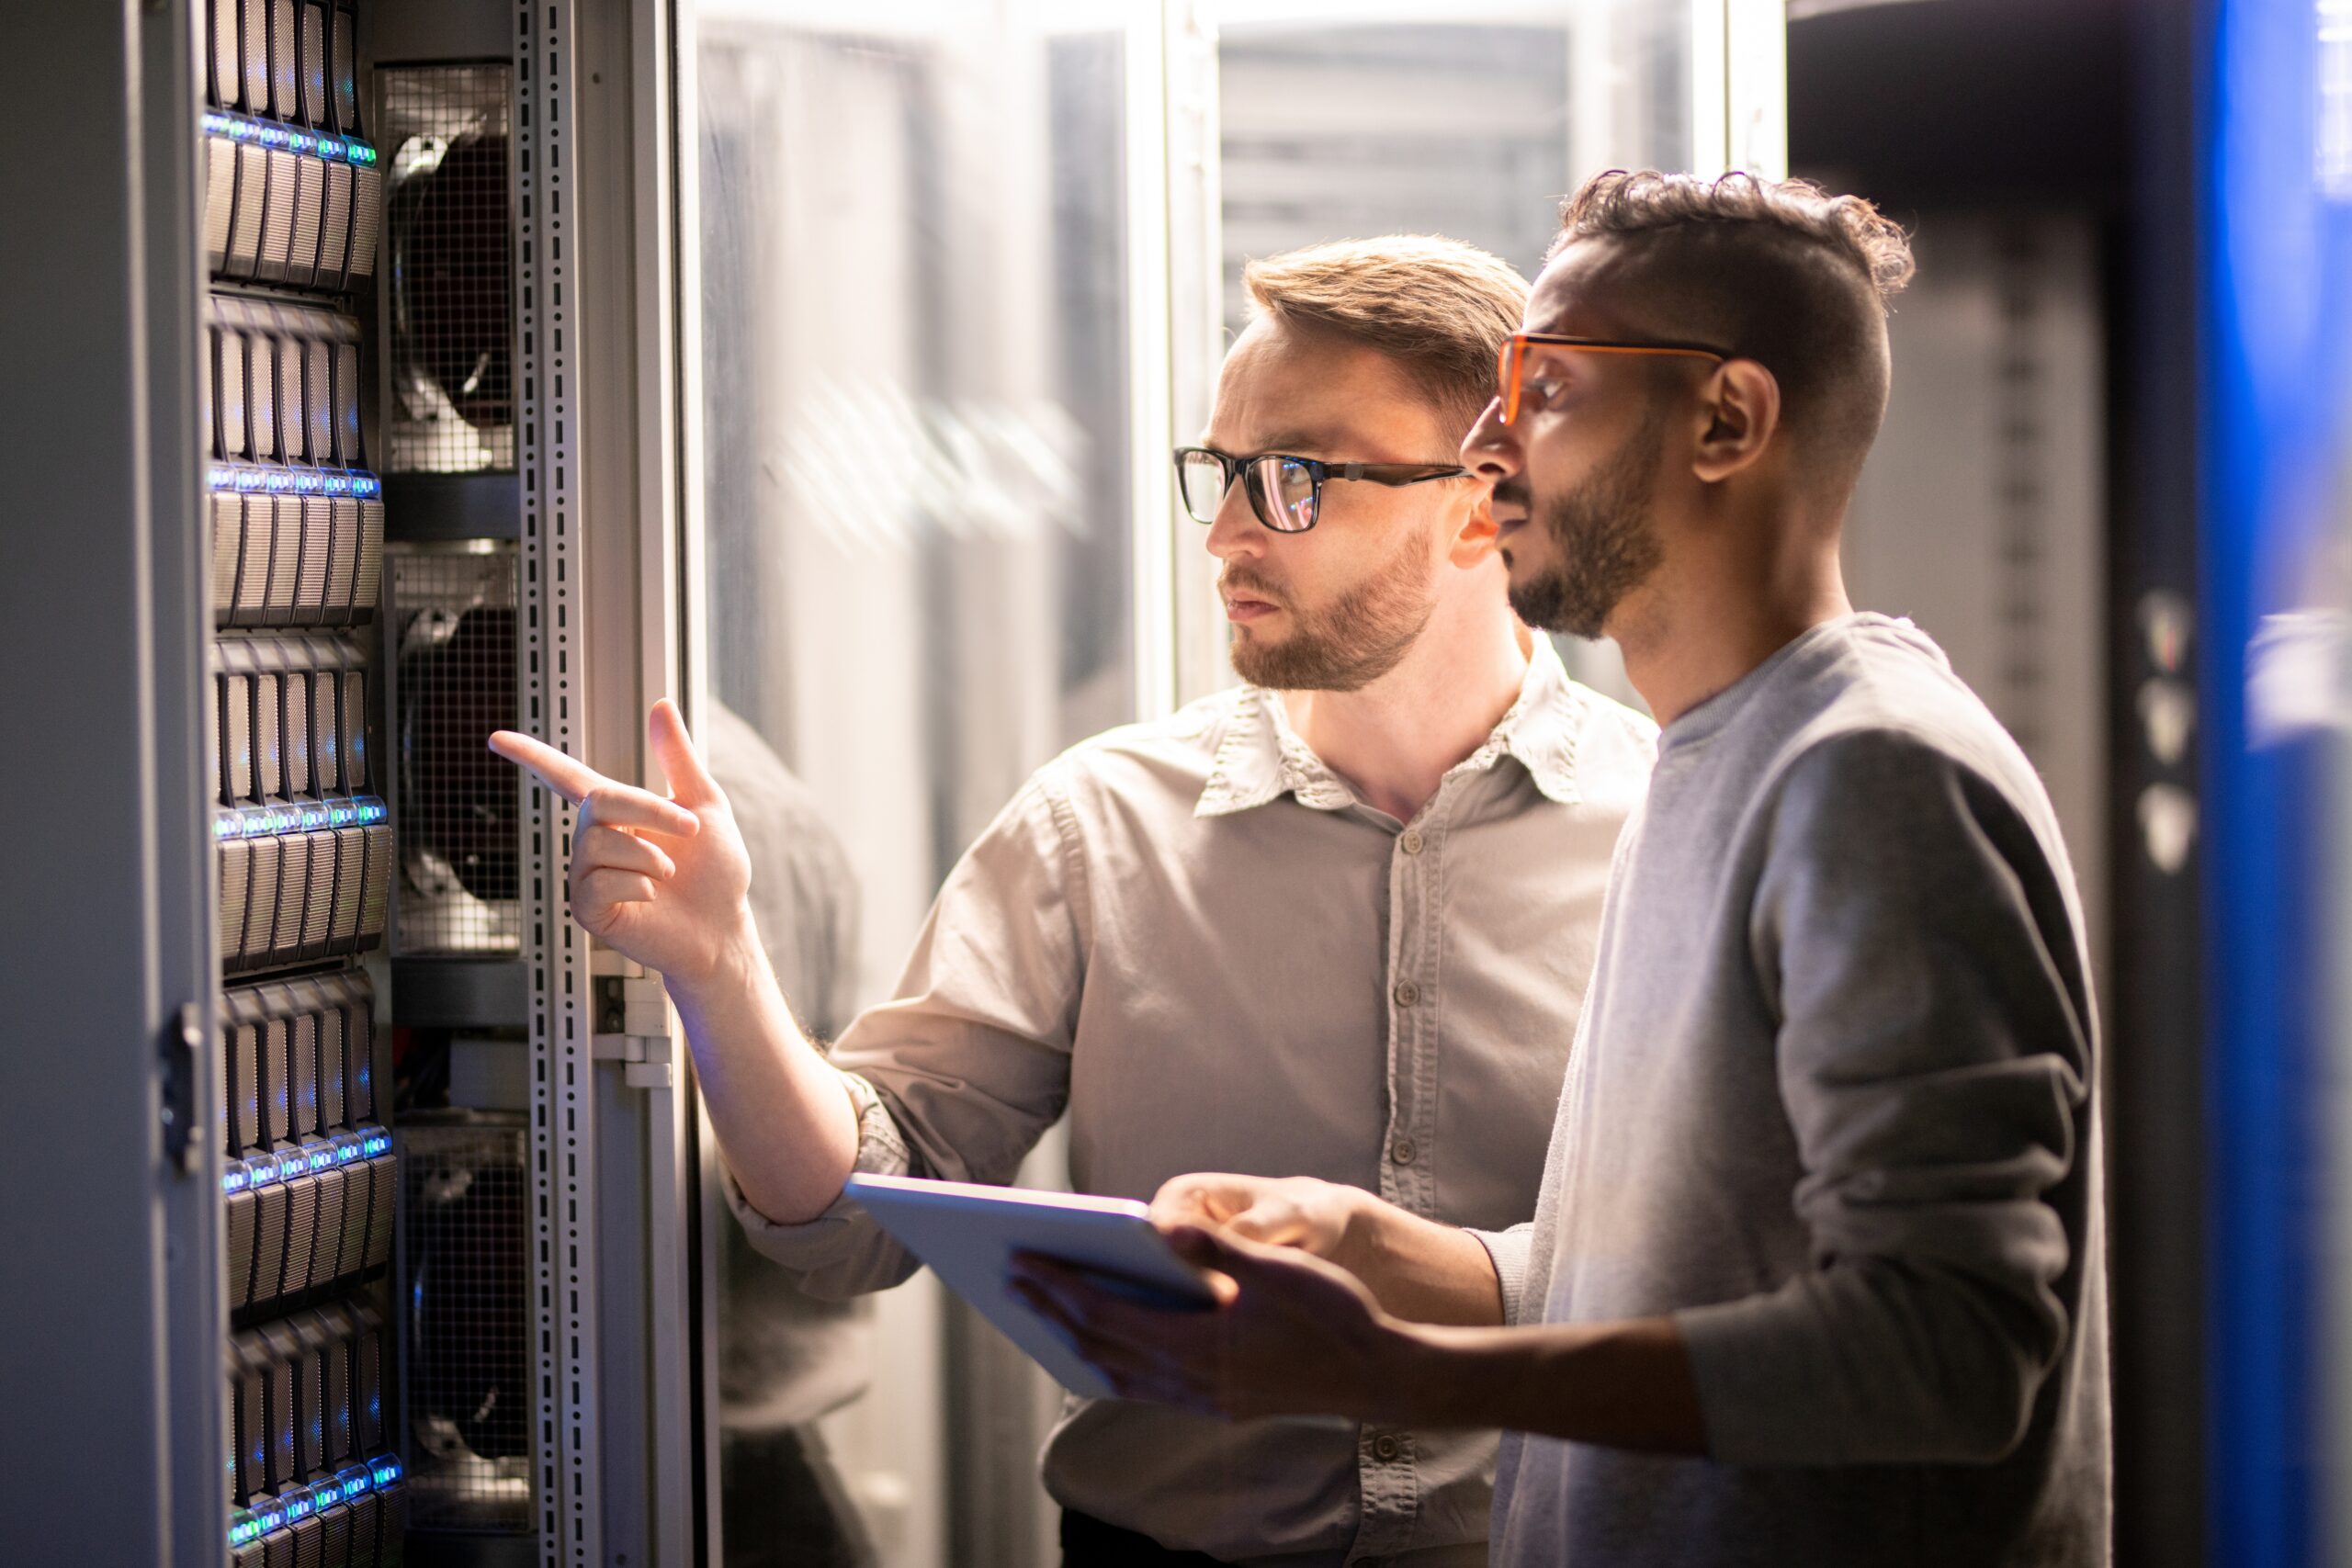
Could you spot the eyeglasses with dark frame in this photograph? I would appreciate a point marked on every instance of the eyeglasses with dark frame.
(1512, 360)
(1285, 492)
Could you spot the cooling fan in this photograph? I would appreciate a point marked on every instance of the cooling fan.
(459, 817)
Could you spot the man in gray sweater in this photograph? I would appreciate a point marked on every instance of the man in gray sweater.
(1817, 1275)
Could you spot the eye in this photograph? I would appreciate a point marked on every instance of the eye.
(1540, 390)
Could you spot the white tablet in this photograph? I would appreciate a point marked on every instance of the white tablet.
(968, 1234)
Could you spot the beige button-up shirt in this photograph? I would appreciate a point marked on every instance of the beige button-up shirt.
(1192, 939)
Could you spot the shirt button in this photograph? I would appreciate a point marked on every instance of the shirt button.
(1407, 994)
(1412, 842)
(1402, 1151)
(1386, 1450)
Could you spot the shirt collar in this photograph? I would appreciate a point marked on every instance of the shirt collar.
(1262, 758)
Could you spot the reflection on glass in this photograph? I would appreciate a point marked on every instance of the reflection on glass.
(915, 406)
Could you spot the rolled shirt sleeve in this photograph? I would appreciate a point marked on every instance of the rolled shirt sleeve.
(835, 1255)
(1933, 1061)
(957, 1077)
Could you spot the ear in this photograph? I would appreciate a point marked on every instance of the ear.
(1740, 409)
(1473, 542)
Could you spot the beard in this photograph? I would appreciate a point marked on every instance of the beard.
(1604, 542)
(1349, 643)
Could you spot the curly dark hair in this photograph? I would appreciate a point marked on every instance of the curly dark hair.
(1643, 201)
(1777, 271)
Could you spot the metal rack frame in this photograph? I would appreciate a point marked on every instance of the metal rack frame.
(598, 640)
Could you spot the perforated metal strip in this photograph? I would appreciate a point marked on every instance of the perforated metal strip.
(554, 950)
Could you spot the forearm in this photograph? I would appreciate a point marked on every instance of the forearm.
(1418, 1270)
(1625, 1385)
(785, 1126)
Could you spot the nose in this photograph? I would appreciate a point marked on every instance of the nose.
(1491, 450)
(1237, 531)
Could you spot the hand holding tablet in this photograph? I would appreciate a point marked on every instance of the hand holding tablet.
(969, 1234)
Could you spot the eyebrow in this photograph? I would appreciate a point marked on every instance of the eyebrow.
(1295, 442)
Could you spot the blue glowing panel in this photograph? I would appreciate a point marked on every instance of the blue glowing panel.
(2277, 408)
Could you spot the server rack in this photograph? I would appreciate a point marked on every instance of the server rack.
(292, 204)
(206, 1359)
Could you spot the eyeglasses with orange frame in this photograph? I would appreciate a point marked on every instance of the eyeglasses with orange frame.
(1513, 358)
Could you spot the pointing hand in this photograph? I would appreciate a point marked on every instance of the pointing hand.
(661, 881)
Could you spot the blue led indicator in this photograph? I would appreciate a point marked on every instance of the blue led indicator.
(307, 483)
(233, 1180)
(276, 481)
(365, 484)
(249, 479)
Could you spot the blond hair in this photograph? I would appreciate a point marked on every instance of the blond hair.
(1437, 307)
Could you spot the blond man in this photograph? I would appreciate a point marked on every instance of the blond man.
(1325, 924)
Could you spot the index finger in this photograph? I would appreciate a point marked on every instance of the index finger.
(568, 776)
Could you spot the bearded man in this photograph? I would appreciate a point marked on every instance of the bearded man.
(1818, 1271)
(1326, 923)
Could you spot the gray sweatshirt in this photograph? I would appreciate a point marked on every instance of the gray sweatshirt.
(1832, 1107)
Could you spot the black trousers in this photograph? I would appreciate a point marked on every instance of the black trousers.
(1088, 1543)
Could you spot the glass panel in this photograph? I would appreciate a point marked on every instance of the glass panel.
(914, 276)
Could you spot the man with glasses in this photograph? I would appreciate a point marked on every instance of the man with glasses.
(1324, 923)
(1817, 1275)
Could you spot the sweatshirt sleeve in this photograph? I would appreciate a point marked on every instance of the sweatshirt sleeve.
(958, 1075)
(1921, 955)
(1509, 1251)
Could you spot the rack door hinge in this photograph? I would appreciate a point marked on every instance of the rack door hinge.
(182, 1127)
(633, 1027)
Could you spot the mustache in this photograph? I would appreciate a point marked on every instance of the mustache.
(1513, 492)
(1233, 580)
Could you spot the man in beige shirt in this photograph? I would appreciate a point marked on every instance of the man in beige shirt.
(1325, 924)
